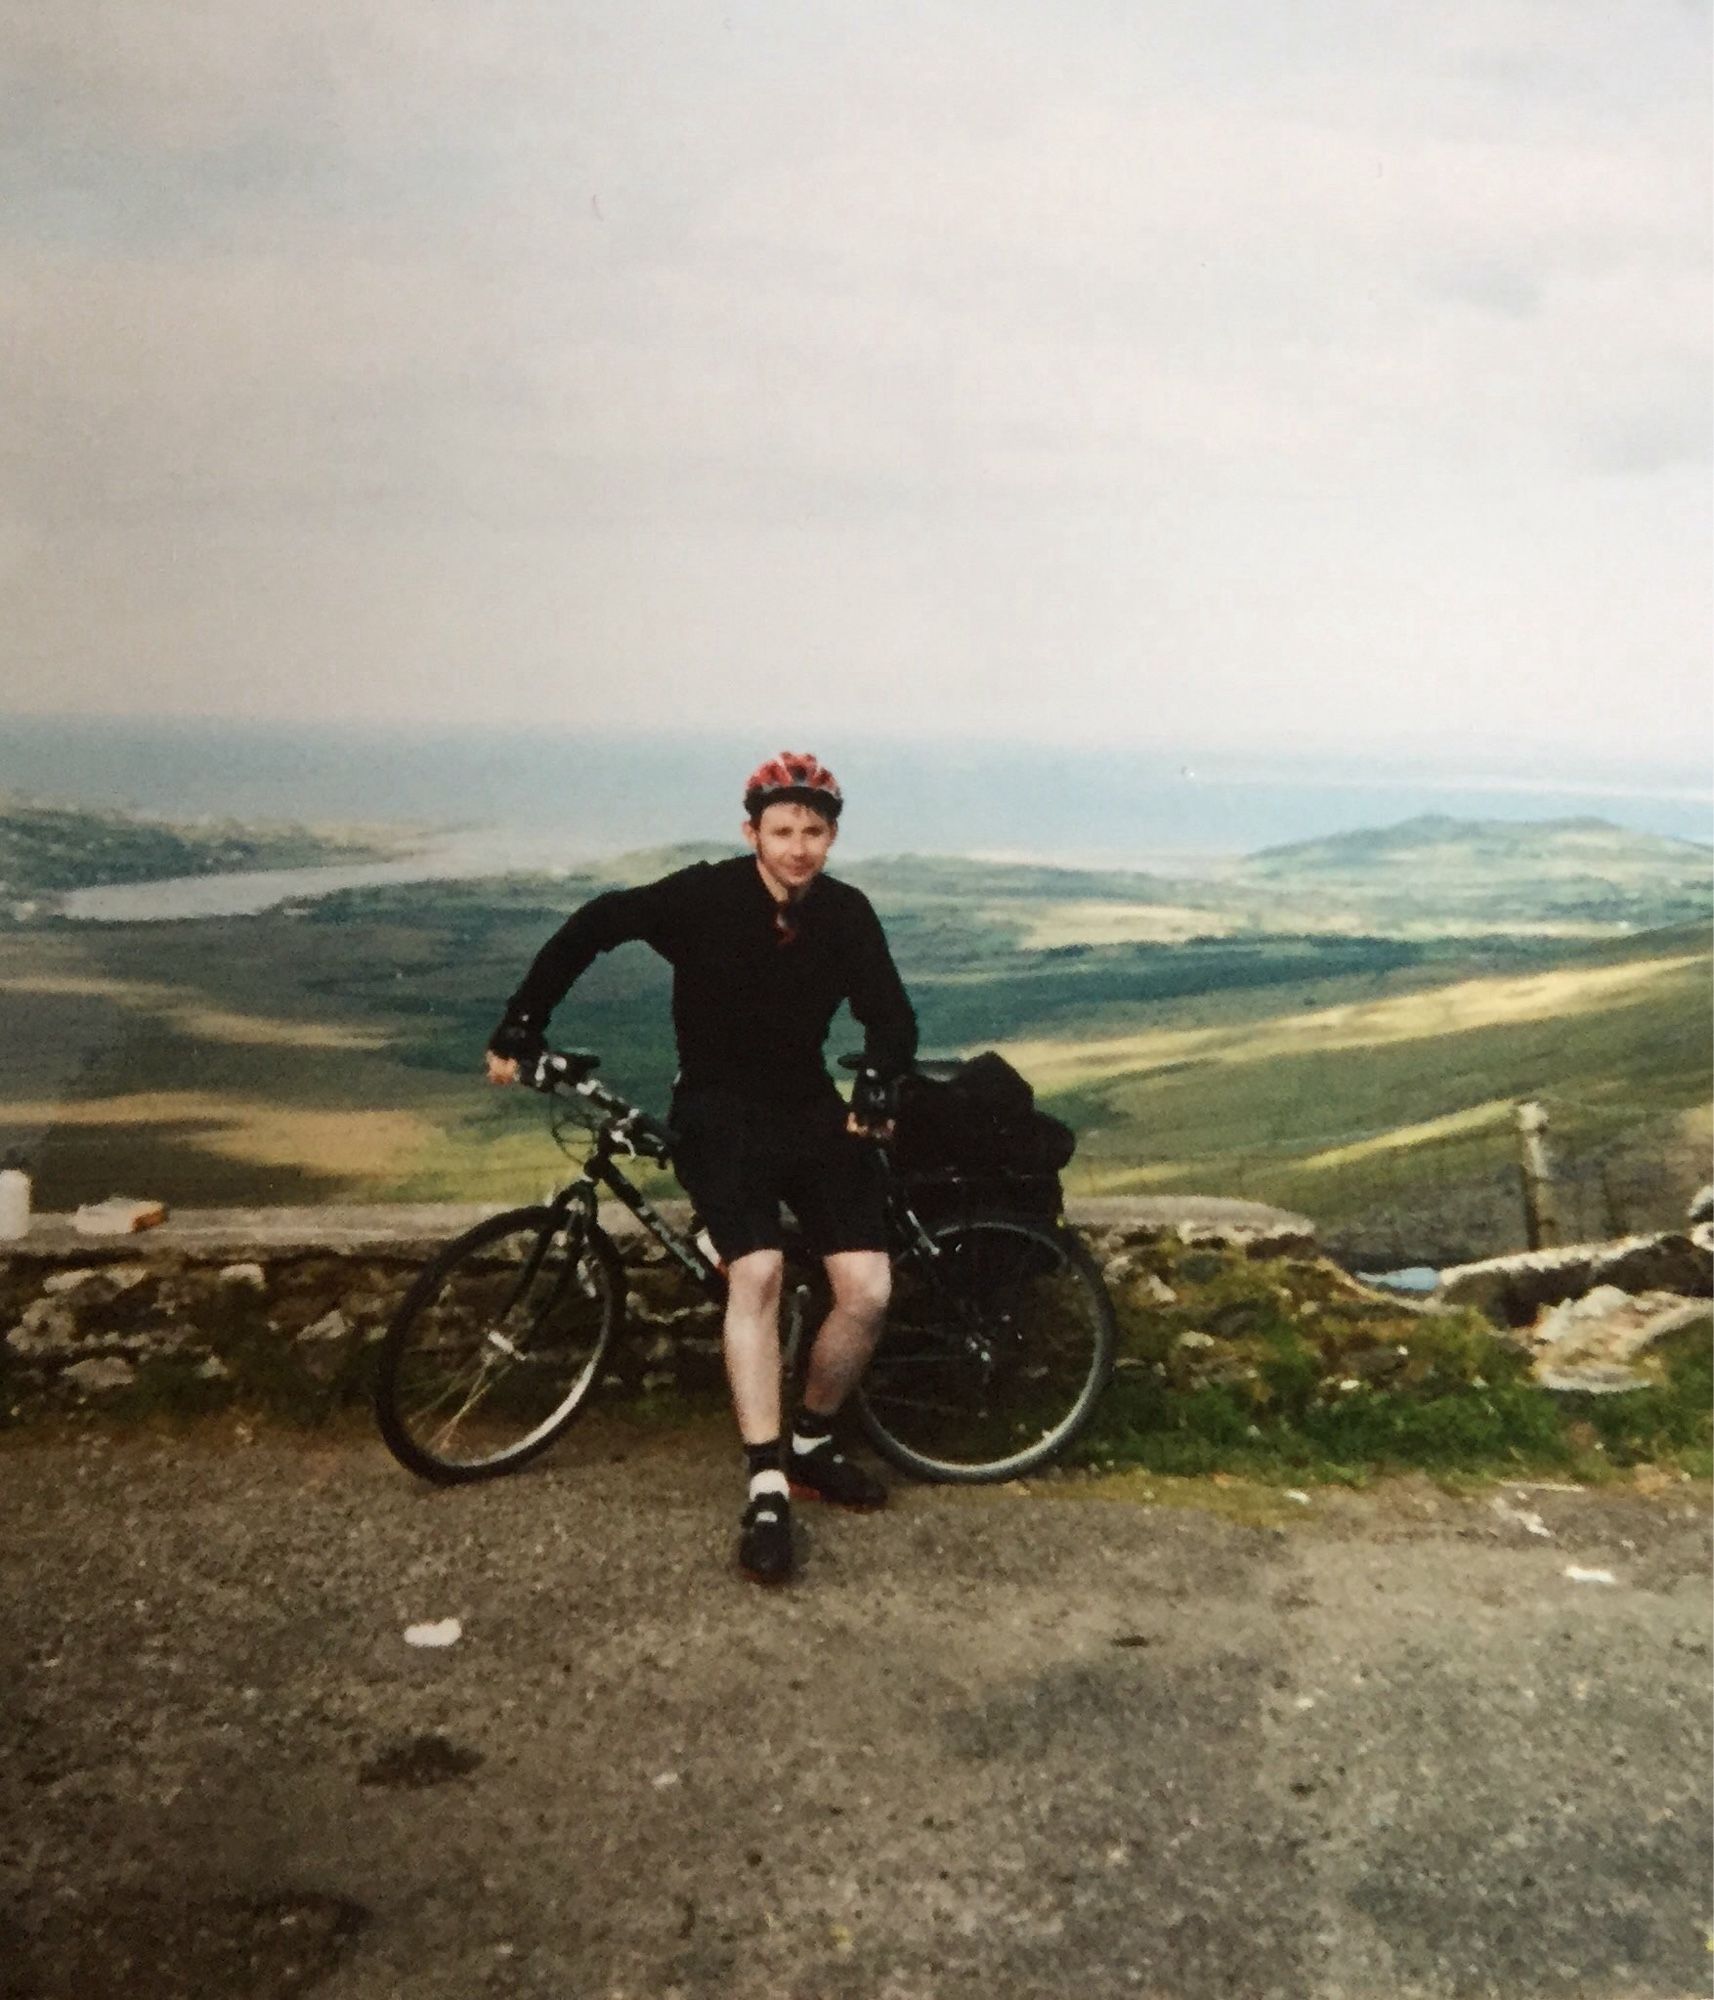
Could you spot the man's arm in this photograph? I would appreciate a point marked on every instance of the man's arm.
(883, 1010)
(615, 918)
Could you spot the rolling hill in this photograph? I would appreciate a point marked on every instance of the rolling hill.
(47, 849)
(1343, 1026)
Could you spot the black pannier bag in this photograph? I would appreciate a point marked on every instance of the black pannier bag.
(969, 1137)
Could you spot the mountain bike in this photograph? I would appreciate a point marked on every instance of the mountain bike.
(998, 1343)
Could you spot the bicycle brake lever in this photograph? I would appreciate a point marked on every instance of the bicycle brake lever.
(644, 1136)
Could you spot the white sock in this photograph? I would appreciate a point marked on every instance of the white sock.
(768, 1482)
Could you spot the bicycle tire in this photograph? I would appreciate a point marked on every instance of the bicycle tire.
(497, 1345)
(998, 1344)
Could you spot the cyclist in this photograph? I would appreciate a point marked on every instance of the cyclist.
(764, 948)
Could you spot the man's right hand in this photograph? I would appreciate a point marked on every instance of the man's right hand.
(513, 1044)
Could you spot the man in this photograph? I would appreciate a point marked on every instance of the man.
(764, 948)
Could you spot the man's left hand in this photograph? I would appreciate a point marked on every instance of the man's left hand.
(873, 1103)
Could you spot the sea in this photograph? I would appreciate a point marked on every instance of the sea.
(482, 801)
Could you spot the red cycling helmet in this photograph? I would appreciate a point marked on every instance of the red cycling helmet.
(794, 777)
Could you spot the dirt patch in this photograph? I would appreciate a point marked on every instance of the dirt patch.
(154, 1946)
(412, 1763)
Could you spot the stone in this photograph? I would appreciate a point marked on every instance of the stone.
(213, 1370)
(1374, 1365)
(1673, 1262)
(100, 1372)
(331, 1326)
(1193, 1340)
(1138, 1236)
(56, 1283)
(44, 1326)
(1133, 1268)
(1702, 1205)
(1291, 1237)
(1286, 1242)
(244, 1274)
(369, 1305)
(1598, 1304)
(1599, 1344)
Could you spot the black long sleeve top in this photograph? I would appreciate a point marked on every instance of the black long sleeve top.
(751, 1001)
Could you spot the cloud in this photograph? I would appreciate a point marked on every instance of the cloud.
(670, 336)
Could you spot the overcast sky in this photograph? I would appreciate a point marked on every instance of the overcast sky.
(1191, 371)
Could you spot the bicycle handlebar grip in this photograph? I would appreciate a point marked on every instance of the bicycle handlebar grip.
(553, 1066)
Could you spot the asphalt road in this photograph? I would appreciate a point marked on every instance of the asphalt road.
(1000, 1744)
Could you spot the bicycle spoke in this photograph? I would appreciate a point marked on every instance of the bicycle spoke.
(995, 1351)
(496, 1347)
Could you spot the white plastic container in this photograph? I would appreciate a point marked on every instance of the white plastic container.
(14, 1203)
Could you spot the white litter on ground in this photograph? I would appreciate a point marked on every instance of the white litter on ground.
(445, 1632)
(1292, 1493)
(666, 1779)
(1523, 1516)
(1589, 1575)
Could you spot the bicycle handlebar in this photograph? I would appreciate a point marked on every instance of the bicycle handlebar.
(629, 1128)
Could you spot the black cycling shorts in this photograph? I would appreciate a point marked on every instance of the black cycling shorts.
(739, 1161)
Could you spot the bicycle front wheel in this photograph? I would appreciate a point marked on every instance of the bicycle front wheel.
(497, 1345)
(999, 1341)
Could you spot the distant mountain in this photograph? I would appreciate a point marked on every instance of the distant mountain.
(1560, 874)
(1437, 840)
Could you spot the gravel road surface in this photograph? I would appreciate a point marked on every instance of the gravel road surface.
(993, 1746)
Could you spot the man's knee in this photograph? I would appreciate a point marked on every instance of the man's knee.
(862, 1282)
(753, 1282)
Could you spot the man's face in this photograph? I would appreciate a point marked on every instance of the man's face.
(791, 843)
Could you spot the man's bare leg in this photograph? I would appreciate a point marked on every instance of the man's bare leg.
(815, 1467)
(752, 1343)
(862, 1282)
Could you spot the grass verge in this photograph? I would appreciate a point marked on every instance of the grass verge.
(1275, 1372)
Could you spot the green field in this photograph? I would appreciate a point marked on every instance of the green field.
(1340, 1035)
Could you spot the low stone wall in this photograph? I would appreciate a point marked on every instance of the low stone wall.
(1514, 1290)
(288, 1304)
(1592, 1316)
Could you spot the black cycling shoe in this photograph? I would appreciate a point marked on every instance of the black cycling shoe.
(765, 1552)
(826, 1474)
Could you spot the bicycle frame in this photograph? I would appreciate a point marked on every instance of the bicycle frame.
(602, 1171)
(445, 1336)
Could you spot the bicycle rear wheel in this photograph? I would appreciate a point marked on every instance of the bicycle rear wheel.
(999, 1341)
(497, 1345)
